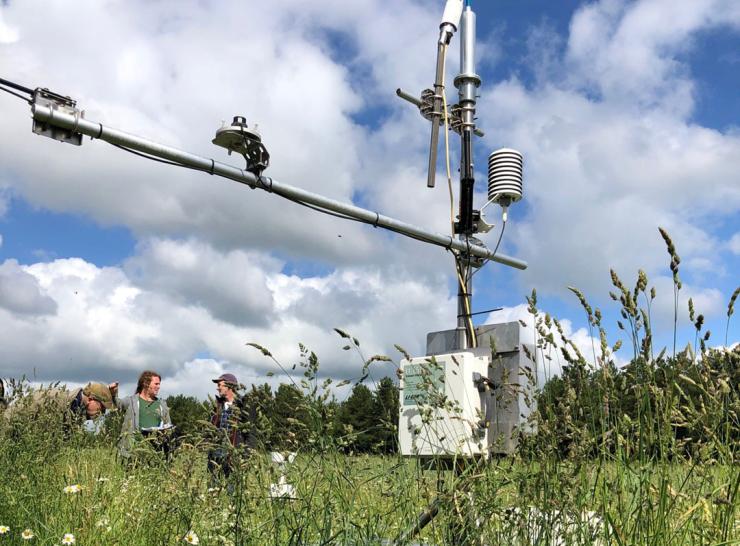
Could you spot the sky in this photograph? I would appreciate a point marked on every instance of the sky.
(626, 112)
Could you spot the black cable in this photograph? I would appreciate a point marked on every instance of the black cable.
(16, 86)
(24, 99)
(352, 218)
(466, 273)
(158, 160)
(500, 236)
(292, 199)
(320, 209)
(462, 280)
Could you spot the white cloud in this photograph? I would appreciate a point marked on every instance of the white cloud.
(8, 34)
(610, 154)
(627, 51)
(604, 170)
(233, 287)
(110, 323)
(707, 301)
(21, 293)
(194, 377)
(734, 244)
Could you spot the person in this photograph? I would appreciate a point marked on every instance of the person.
(94, 399)
(146, 414)
(233, 422)
(86, 405)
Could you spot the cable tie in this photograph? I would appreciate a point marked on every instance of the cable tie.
(377, 219)
(100, 131)
(213, 167)
(263, 180)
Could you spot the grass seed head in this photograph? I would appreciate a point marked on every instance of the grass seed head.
(699, 322)
(731, 306)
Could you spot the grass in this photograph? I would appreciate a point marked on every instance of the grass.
(645, 455)
(364, 499)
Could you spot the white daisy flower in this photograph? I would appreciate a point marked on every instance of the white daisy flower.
(191, 538)
(4, 529)
(70, 489)
(68, 538)
(27, 534)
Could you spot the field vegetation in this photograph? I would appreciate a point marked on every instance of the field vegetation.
(645, 453)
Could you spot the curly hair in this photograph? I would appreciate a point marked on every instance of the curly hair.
(144, 379)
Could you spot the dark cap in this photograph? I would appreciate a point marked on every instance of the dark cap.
(228, 378)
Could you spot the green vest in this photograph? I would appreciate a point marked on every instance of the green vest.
(150, 413)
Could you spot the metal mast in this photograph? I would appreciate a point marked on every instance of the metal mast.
(58, 117)
(467, 83)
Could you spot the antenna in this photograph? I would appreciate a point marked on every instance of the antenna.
(461, 118)
(448, 26)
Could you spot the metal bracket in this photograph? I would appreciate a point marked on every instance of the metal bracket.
(484, 384)
(426, 108)
(56, 102)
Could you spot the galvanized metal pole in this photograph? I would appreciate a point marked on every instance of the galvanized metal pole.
(467, 83)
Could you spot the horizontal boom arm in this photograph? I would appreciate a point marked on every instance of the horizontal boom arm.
(77, 124)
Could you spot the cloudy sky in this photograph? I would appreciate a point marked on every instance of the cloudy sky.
(627, 114)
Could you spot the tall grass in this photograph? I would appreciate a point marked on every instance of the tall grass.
(645, 454)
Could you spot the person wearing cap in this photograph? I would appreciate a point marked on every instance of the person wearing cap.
(94, 399)
(146, 413)
(233, 422)
(84, 405)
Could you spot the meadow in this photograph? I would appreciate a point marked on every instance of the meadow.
(82, 489)
(645, 453)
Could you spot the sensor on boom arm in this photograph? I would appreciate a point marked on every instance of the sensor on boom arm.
(237, 137)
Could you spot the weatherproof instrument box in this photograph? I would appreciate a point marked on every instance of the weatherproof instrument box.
(442, 410)
(467, 403)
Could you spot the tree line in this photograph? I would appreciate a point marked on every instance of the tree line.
(663, 407)
(289, 418)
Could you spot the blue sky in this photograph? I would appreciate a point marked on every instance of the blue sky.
(628, 120)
